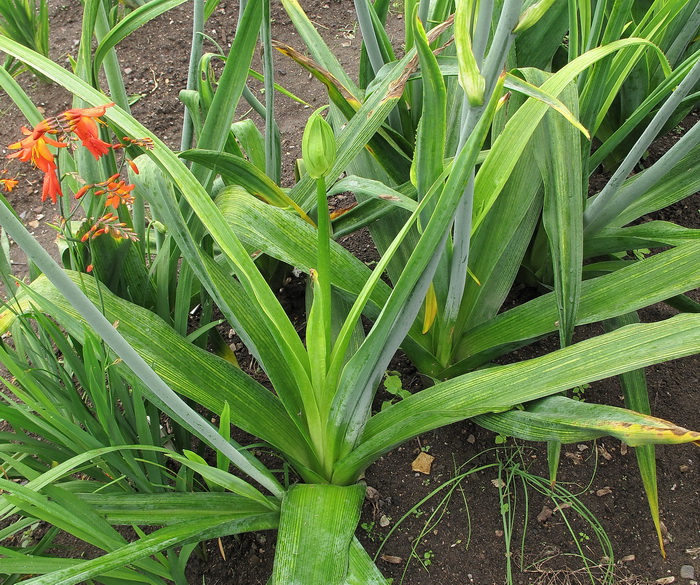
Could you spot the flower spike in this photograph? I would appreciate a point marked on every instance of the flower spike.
(81, 122)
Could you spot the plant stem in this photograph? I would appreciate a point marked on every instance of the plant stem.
(324, 256)
(195, 56)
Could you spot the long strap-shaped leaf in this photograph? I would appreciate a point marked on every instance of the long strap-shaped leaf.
(500, 388)
(317, 524)
(649, 281)
(169, 508)
(270, 314)
(634, 388)
(563, 206)
(192, 372)
(557, 418)
(241, 172)
(652, 234)
(181, 533)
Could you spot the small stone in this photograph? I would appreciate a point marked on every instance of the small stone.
(128, 70)
(687, 572)
(471, 439)
(683, 468)
(384, 521)
(498, 533)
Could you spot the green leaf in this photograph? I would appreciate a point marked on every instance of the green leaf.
(170, 508)
(558, 418)
(634, 388)
(241, 172)
(562, 214)
(127, 25)
(641, 284)
(318, 521)
(501, 388)
(430, 138)
(181, 533)
(652, 234)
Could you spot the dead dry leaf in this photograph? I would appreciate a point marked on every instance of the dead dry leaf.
(603, 452)
(666, 580)
(391, 559)
(603, 492)
(423, 463)
(544, 515)
(371, 493)
(575, 458)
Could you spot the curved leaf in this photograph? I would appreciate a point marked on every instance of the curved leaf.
(501, 388)
(558, 418)
(130, 23)
(191, 371)
(643, 283)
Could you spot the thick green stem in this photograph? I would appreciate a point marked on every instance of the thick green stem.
(324, 256)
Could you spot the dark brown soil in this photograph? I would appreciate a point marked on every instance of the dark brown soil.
(464, 540)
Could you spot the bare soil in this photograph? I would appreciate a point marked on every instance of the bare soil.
(467, 542)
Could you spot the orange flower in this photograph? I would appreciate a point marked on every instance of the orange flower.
(34, 147)
(52, 186)
(81, 121)
(109, 224)
(8, 184)
(117, 192)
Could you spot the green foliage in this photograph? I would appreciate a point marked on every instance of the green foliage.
(444, 179)
(27, 22)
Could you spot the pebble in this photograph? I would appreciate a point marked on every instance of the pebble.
(687, 572)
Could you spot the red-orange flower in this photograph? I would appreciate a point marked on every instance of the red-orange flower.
(34, 147)
(81, 121)
(8, 184)
(109, 224)
(52, 186)
(117, 192)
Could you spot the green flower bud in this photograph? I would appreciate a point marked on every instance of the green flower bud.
(532, 15)
(318, 146)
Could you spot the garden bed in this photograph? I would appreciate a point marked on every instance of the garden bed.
(467, 541)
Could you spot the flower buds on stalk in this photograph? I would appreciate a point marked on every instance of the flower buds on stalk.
(318, 146)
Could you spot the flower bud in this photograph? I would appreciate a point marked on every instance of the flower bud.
(532, 15)
(318, 146)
